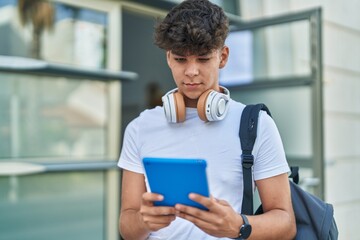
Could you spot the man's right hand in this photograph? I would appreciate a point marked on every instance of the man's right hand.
(155, 217)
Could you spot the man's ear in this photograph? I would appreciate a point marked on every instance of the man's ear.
(168, 58)
(224, 56)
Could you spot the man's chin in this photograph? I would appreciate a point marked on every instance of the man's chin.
(192, 96)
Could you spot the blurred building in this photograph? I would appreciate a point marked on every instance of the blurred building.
(66, 95)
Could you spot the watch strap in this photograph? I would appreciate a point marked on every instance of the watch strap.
(245, 229)
(245, 219)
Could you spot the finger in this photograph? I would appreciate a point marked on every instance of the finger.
(223, 202)
(199, 222)
(217, 200)
(157, 211)
(189, 213)
(155, 226)
(152, 197)
(156, 221)
(165, 219)
(209, 202)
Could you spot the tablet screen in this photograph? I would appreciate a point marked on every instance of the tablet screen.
(175, 178)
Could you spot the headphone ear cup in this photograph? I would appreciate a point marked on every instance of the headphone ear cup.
(174, 106)
(179, 107)
(201, 105)
(213, 105)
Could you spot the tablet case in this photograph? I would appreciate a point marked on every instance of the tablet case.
(175, 178)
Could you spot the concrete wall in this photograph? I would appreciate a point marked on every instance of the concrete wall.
(341, 76)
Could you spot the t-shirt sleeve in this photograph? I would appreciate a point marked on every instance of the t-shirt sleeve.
(270, 159)
(130, 156)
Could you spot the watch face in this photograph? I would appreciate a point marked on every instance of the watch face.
(245, 231)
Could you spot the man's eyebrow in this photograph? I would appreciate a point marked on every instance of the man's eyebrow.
(205, 53)
(181, 54)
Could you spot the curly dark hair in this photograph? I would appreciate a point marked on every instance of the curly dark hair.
(192, 27)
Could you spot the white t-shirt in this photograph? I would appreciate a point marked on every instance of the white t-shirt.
(150, 135)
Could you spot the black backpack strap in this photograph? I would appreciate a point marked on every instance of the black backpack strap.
(247, 133)
(294, 174)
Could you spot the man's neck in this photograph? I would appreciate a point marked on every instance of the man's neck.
(190, 103)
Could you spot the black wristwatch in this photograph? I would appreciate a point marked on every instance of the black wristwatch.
(245, 229)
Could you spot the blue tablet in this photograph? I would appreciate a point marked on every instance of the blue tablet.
(175, 178)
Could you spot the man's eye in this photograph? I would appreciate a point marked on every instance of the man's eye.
(180, 59)
(204, 59)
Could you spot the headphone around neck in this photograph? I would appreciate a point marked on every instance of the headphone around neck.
(211, 106)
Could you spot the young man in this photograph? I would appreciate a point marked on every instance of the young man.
(193, 35)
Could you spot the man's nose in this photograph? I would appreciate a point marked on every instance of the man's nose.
(191, 70)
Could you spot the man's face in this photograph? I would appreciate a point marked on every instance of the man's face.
(194, 74)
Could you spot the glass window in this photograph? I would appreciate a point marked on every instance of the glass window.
(52, 206)
(54, 32)
(52, 117)
(53, 121)
(229, 6)
(267, 53)
(292, 117)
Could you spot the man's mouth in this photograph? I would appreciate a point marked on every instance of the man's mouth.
(192, 84)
